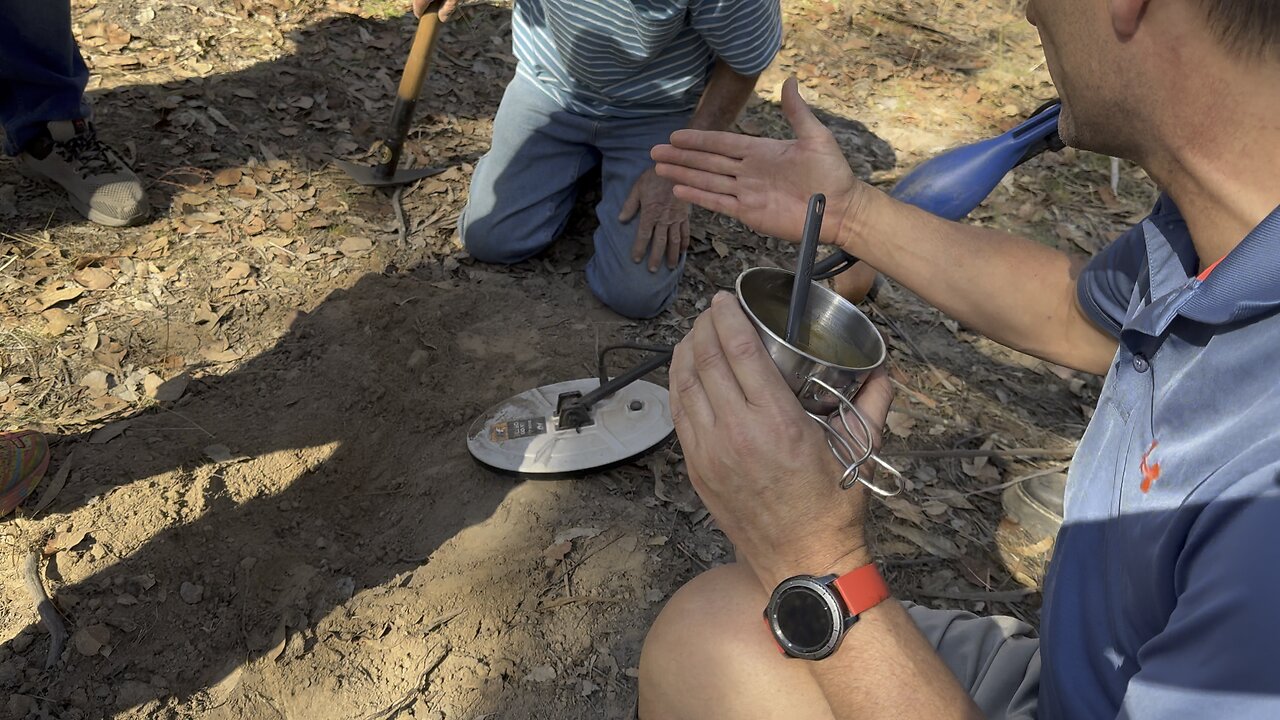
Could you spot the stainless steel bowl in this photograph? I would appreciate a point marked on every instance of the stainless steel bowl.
(843, 345)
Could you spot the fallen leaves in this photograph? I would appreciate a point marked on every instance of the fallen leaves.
(109, 432)
(63, 541)
(59, 294)
(355, 246)
(94, 278)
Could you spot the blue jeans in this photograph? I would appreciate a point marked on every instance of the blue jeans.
(42, 75)
(523, 190)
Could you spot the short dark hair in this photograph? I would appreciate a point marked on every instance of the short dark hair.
(1251, 27)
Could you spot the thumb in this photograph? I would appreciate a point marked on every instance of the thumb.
(801, 118)
(874, 398)
(632, 204)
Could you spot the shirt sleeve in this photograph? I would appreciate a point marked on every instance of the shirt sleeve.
(1217, 656)
(746, 34)
(1106, 285)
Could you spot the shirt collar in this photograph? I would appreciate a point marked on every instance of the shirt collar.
(1244, 285)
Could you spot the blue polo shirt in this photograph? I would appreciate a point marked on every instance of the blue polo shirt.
(1163, 598)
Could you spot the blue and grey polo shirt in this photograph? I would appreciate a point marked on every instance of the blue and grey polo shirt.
(1163, 598)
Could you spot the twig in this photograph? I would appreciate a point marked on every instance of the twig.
(48, 613)
(1059, 467)
(983, 595)
(407, 699)
(696, 560)
(911, 344)
(396, 205)
(561, 602)
(1046, 453)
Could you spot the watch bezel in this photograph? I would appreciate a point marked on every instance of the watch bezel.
(820, 586)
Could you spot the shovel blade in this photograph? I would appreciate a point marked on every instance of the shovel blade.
(371, 176)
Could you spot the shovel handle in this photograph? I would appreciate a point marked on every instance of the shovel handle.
(415, 71)
(415, 68)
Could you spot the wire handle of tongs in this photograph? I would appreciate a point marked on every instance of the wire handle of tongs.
(851, 459)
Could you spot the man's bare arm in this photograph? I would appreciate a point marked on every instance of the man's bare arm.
(722, 99)
(1008, 288)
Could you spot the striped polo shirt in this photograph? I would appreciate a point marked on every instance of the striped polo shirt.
(639, 58)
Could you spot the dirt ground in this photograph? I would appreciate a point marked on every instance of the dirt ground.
(261, 504)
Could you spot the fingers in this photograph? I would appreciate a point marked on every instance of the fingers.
(801, 118)
(716, 374)
(715, 202)
(674, 245)
(677, 243)
(690, 409)
(729, 144)
(701, 179)
(696, 159)
(752, 367)
(446, 11)
(873, 400)
(630, 207)
(657, 246)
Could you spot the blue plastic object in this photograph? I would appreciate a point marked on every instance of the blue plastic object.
(952, 184)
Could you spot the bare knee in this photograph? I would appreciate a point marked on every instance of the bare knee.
(710, 654)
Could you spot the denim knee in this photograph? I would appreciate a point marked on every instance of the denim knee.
(640, 295)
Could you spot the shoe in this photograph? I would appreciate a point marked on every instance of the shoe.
(24, 457)
(1032, 518)
(98, 182)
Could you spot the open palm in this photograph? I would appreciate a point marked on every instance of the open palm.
(763, 182)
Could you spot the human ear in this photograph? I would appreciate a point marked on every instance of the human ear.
(1126, 15)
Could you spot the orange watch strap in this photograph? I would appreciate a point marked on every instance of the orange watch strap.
(862, 589)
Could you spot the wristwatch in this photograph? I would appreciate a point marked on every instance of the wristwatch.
(810, 615)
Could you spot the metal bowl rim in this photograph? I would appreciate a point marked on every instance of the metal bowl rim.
(884, 350)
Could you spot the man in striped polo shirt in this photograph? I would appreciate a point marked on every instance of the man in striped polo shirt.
(599, 83)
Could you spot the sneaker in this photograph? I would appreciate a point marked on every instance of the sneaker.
(24, 457)
(1032, 518)
(98, 182)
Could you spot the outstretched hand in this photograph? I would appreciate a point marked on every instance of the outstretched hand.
(763, 182)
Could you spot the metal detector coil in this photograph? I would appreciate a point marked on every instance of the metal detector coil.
(576, 426)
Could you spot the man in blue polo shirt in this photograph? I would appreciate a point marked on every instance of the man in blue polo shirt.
(598, 84)
(1162, 593)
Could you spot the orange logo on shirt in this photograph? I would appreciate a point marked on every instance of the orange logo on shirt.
(1150, 473)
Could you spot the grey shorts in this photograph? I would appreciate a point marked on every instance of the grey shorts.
(995, 658)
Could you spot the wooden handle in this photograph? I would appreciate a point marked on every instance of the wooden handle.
(415, 68)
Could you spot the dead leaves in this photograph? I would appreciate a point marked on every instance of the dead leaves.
(60, 293)
(94, 278)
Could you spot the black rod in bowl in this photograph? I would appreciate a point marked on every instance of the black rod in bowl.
(804, 269)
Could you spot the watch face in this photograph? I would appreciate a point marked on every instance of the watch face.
(804, 619)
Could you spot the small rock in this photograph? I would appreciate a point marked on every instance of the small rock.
(22, 642)
(542, 673)
(11, 672)
(191, 593)
(132, 692)
(294, 648)
(20, 706)
(90, 640)
(126, 599)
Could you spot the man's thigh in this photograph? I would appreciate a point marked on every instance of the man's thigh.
(994, 657)
(627, 286)
(523, 189)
